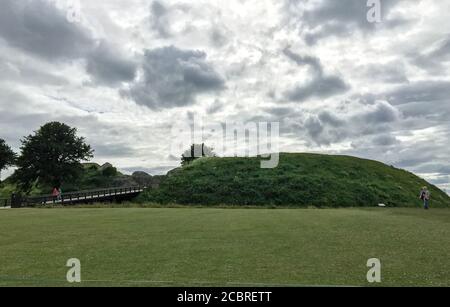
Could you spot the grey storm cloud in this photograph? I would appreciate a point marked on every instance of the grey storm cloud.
(39, 28)
(436, 110)
(305, 60)
(317, 130)
(163, 14)
(381, 140)
(384, 140)
(421, 91)
(107, 66)
(280, 112)
(434, 59)
(343, 17)
(373, 122)
(331, 119)
(327, 128)
(318, 88)
(159, 19)
(438, 168)
(441, 180)
(391, 73)
(382, 112)
(314, 127)
(173, 77)
(321, 85)
(442, 49)
(18, 72)
(424, 152)
(215, 107)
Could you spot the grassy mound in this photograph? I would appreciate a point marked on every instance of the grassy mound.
(300, 180)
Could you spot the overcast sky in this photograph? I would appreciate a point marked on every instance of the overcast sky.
(123, 72)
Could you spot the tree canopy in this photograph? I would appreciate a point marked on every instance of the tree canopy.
(51, 156)
(196, 151)
(7, 155)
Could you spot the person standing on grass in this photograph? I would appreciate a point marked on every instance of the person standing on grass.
(55, 192)
(59, 193)
(425, 196)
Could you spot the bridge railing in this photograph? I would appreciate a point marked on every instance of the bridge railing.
(87, 195)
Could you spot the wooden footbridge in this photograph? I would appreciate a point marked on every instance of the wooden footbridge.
(79, 197)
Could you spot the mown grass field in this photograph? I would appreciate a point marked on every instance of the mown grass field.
(224, 247)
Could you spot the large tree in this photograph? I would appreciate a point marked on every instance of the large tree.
(51, 156)
(195, 152)
(7, 156)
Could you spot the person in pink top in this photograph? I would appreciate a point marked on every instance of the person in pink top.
(55, 192)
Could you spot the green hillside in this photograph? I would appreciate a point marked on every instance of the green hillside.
(300, 180)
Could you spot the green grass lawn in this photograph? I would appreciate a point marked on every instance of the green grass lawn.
(224, 247)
